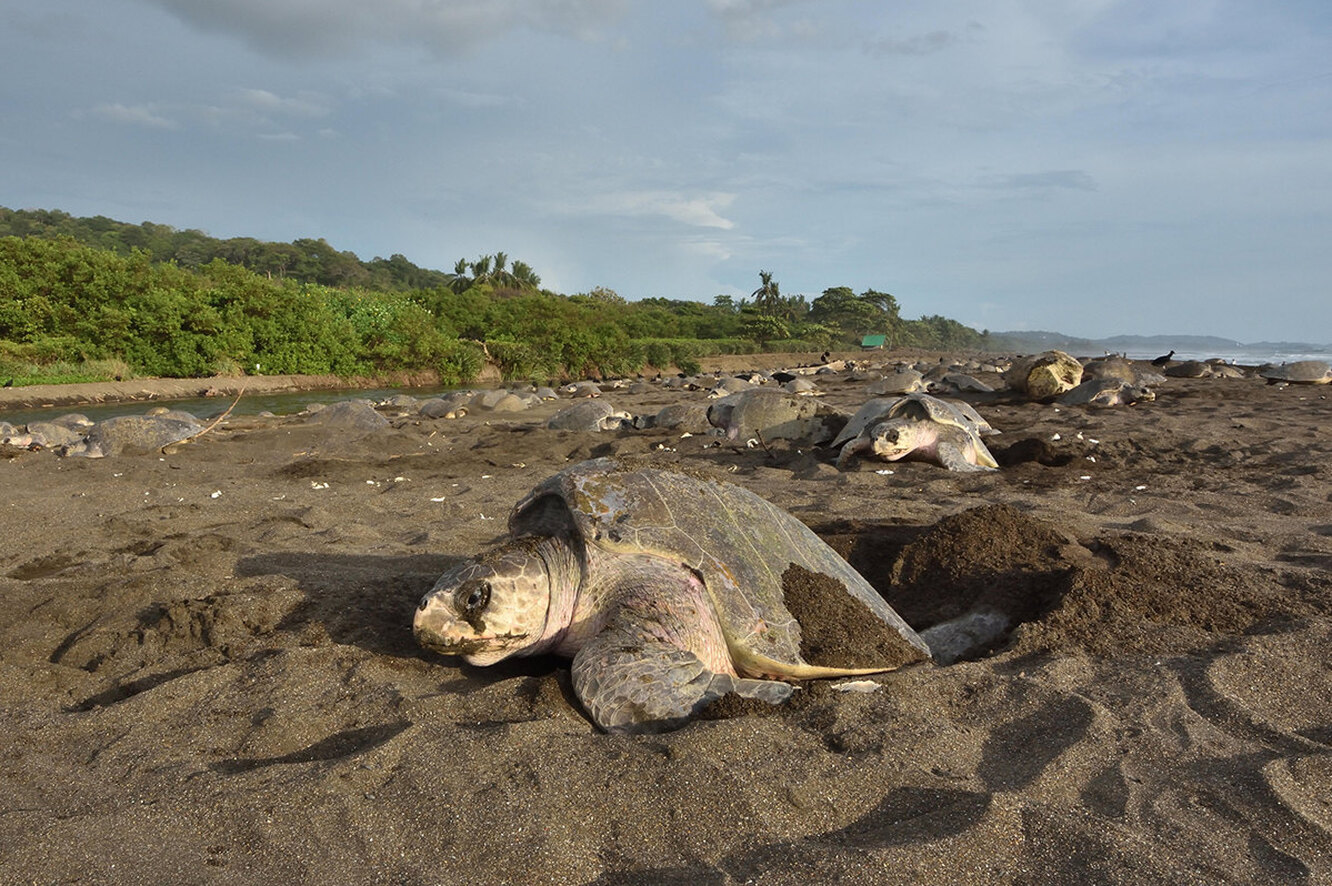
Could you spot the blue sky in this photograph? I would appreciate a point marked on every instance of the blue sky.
(1094, 167)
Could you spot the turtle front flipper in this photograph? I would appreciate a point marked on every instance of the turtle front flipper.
(954, 457)
(631, 682)
(660, 655)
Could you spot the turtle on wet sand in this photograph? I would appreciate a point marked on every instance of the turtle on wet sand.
(666, 589)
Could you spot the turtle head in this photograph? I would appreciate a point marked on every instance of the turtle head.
(487, 609)
(897, 438)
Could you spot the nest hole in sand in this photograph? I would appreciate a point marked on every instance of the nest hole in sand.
(1049, 592)
(992, 559)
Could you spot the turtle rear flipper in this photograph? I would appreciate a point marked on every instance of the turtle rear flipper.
(631, 681)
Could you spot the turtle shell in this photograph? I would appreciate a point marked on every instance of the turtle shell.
(1306, 371)
(738, 543)
(920, 407)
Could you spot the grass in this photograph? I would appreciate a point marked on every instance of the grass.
(19, 373)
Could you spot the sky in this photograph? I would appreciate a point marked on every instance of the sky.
(1092, 167)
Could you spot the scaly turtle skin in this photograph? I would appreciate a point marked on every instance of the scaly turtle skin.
(665, 589)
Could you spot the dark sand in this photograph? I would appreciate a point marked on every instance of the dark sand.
(207, 673)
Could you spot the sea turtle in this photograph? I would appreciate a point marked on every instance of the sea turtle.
(1044, 375)
(690, 418)
(1301, 372)
(732, 384)
(1112, 366)
(666, 589)
(903, 380)
(1189, 369)
(915, 406)
(775, 415)
(918, 427)
(132, 434)
(1106, 392)
(590, 415)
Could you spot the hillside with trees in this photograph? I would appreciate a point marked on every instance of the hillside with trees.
(86, 299)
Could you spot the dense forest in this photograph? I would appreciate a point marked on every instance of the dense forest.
(94, 298)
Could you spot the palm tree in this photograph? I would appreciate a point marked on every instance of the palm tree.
(481, 269)
(461, 282)
(525, 276)
(767, 298)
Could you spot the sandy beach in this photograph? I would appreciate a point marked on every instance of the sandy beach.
(207, 671)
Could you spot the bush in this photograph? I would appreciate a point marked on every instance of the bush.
(793, 345)
(459, 363)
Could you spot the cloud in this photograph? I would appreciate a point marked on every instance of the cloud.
(695, 211)
(335, 27)
(264, 102)
(1054, 179)
(133, 115)
(754, 21)
(924, 44)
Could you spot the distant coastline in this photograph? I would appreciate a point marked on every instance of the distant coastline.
(1147, 347)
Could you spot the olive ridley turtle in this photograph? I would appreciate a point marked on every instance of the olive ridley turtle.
(918, 427)
(1301, 372)
(666, 590)
(775, 415)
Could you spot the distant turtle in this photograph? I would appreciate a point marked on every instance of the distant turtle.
(1190, 369)
(1106, 392)
(732, 384)
(1044, 375)
(665, 589)
(800, 385)
(904, 380)
(915, 406)
(1164, 358)
(586, 388)
(1301, 372)
(918, 427)
(1113, 366)
(590, 415)
(53, 435)
(775, 415)
(132, 434)
(954, 382)
(687, 417)
(453, 405)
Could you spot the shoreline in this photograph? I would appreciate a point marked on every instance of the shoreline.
(153, 388)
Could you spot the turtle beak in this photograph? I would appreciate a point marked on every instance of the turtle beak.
(439, 628)
(435, 627)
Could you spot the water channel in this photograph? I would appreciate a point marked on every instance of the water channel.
(205, 408)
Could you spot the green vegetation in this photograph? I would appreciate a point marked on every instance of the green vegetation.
(93, 299)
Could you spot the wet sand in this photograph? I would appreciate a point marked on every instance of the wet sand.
(207, 672)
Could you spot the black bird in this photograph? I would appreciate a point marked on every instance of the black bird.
(10, 383)
(1163, 359)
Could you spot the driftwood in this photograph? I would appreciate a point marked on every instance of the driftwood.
(214, 423)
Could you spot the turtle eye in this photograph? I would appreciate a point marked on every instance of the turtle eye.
(474, 597)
